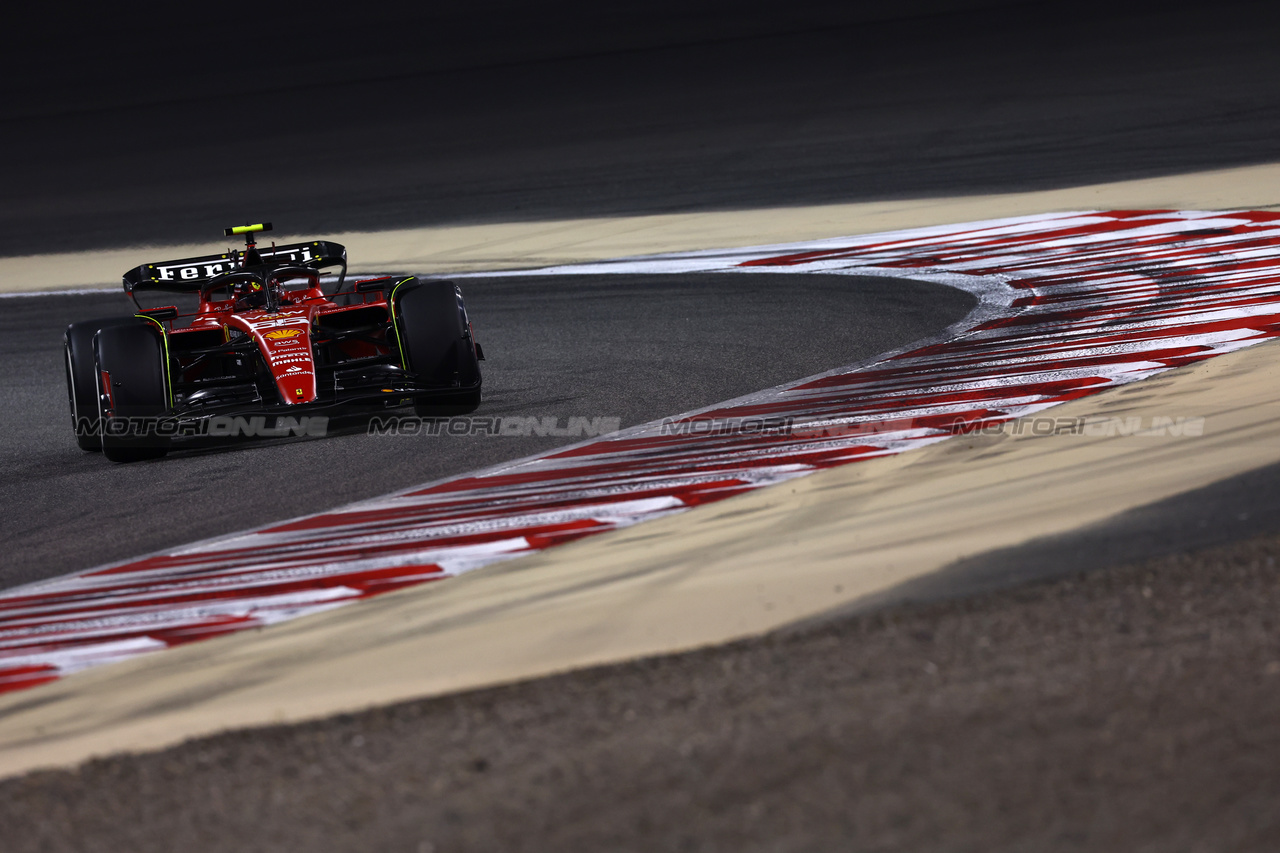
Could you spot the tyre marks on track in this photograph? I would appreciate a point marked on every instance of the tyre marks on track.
(1070, 304)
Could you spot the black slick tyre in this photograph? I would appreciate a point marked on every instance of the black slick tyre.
(131, 359)
(82, 385)
(435, 339)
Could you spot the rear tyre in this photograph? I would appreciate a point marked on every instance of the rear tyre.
(82, 386)
(131, 358)
(437, 346)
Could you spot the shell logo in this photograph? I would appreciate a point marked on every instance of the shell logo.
(281, 334)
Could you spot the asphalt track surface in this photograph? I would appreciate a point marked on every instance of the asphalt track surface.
(149, 129)
(1107, 717)
(634, 348)
(534, 119)
(1118, 711)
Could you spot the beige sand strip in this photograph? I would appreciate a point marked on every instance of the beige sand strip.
(532, 244)
(729, 570)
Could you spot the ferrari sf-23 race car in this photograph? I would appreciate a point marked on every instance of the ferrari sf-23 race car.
(263, 338)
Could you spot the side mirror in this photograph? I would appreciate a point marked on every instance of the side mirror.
(373, 284)
(168, 312)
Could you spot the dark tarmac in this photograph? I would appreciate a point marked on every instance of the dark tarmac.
(1125, 710)
(1128, 705)
(148, 130)
(634, 348)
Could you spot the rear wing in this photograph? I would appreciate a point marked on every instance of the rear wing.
(188, 275)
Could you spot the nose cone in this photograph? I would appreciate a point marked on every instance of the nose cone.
(296, 383)
(284, 339)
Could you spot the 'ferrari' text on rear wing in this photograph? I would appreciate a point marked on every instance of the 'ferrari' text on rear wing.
(186, 275)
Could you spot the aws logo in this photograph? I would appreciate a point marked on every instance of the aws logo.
(282, 334)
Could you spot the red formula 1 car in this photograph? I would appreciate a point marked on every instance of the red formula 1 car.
(264, 339)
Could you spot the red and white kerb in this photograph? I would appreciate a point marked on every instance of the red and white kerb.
(1070, 304)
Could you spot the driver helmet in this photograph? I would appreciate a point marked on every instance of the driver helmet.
(250, 293)
(278, 279)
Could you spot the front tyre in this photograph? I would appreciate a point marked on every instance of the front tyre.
(82, 386)
(436, 343)
(132, 390)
